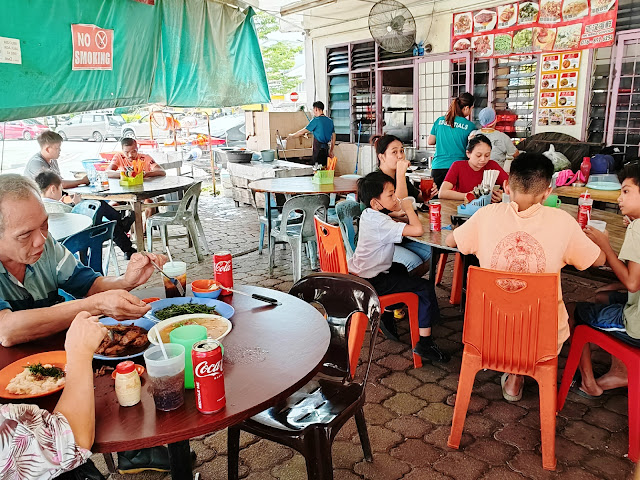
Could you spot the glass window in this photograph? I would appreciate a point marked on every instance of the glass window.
(87, 118)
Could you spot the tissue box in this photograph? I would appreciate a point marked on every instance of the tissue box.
(131, 181)
(323, 177)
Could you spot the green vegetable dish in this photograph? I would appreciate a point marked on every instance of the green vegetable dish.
(184, 309)
(528, 11)
(523, 40)
(502, 43)
(40, 371)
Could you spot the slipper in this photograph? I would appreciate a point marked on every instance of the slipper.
(578, 391)
(507, 397)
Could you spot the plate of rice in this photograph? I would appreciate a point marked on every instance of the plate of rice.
(34, 376)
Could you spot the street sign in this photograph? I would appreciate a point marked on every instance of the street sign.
(294, 96)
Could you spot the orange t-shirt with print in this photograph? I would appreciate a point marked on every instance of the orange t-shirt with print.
(537, 240)
(121, 162)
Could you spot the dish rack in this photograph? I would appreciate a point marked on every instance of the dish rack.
(474, 205)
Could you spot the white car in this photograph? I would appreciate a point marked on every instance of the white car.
(141, 129)
(95, 126)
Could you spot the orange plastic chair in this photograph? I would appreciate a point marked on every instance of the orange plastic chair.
(456, 284)
(511, 325)
(333, 259)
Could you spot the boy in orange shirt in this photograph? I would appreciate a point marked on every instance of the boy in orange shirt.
(525, 236)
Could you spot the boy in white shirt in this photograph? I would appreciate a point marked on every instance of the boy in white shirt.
(373, 258)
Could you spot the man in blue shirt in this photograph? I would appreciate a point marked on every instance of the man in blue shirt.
(324, 134)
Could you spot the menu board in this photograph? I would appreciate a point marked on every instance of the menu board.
(558, 89)
(535, 26)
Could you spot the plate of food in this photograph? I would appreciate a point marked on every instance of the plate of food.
(172, 307)
(462, 23)
(568, 37)
(507, 15)
(462, 44)
(217, 326)
(543, 38)
(528, 12)
(484, 20)
(34, 376)
(575, 9)
(124, 340)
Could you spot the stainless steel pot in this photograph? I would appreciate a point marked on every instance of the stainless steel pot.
(410, 153)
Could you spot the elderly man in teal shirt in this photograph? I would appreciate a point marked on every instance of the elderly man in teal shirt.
(324, 134)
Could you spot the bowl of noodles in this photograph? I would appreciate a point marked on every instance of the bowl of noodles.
(217, 326)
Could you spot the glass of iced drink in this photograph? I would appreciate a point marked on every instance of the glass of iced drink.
(166, 376)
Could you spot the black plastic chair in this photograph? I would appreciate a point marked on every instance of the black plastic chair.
(88, 244)
(309, 420)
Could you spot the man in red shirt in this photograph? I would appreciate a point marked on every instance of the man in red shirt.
(130, 154)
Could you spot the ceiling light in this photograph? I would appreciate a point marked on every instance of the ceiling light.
(303, 5)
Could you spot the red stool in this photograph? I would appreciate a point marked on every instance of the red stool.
(629, 354)
(458, 271)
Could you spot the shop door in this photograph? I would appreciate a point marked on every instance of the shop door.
(623, 123)
(439, 78)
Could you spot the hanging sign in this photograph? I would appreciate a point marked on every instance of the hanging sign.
(535, 26)
(10, 51)
(92, 48)
(557, 93)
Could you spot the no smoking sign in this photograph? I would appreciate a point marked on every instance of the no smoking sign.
(92, 47)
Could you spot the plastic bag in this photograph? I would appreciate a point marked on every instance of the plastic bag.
(560, 162)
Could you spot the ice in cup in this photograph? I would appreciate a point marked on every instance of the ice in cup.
(177, 270)
(166, 376)
(426, 184)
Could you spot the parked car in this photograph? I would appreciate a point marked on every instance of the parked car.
(25, 129)
(229, 127)
(96, 126)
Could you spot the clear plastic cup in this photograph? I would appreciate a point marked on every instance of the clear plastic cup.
(177, 270)
(166, 376)
(598, 224)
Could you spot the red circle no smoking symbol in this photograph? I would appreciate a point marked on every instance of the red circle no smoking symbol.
(101, 39)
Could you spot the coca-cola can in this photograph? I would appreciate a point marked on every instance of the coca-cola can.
(223, 270)
(208, 376)
(584, 213)
(435, 216)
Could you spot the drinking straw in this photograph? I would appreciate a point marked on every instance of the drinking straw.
(169, 254)
(164, 351)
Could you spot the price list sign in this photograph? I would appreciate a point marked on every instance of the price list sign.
(10, 51)
(558, 88)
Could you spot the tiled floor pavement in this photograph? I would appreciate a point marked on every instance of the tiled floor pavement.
(408, 411)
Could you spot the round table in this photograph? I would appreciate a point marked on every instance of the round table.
(258, 372)
(299, 186)
(63, 225)
(137, 194)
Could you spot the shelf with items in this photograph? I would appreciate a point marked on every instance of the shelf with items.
(339, 106)
(363, 103)
(514, 93)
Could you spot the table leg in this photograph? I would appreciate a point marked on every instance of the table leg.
(137, 211)
(267, 200)
(433, 267)
(180, 458)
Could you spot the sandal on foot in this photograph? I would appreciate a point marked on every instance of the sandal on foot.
(507, 397)
(578, 391)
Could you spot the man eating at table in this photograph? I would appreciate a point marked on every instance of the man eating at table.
(130, 157)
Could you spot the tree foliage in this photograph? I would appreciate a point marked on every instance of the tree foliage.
(278, 56)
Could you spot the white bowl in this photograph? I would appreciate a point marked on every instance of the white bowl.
(155, 330)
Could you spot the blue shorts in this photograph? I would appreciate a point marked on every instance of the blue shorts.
(607, 317)
(411, 254)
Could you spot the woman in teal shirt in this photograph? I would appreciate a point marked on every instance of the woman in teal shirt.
(452, 133)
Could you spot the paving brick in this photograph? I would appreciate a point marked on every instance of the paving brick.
(264, 455)
(432, 393)
(416, 453)
(618, 404)
(377, 414)
(568, 452)
(585, 434)
(440, 436)
(409, 426)
(452, 366)
(519, 436)
(395, 362)
(345, 475)
(376, 393)
(348, 430)
(490, 391)
(476, 403)
(460, 466)
(606, 419)
(376, 372)
(216, 468)
(491, 451)
(404, 403)
(428, 373)
(608, 466)
(383, 467)
(480, 426)
(504, 412)
(391, 346)
(293, 469)
(425, 473)
(573, 411)
(203, 453)
(529, 464)
(501, 473)
(401, 382)
(618, 444)
(449, 382)
(218, 441)
(577, 473)
(437, 413)
(346, 454)
(382, 439)
(264, 476)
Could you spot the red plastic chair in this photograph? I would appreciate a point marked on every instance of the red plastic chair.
(333, 259)
(511, 325)
(629, 354)
(456, 284)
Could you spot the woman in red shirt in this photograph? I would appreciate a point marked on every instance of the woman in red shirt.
(463, 176)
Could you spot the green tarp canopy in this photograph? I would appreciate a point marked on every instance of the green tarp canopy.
(182, 53)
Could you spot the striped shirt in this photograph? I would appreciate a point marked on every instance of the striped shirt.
(56, 268)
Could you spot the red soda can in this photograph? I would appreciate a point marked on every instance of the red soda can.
(208, 376)
(223, 270)
(584, 213)
(435, 216)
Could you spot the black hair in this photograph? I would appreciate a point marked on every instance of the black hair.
(455, 109)
(128, 142)
(631, 171)
(372, 186)
(475, 141)
(531, 173)
(47, 178)
(49, 137)
(382, 142)
(319, 105)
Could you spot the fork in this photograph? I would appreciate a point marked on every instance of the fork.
(175, 281)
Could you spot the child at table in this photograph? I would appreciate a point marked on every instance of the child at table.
(525, 236)
(463, 176)
(378, 235)
(619, 315)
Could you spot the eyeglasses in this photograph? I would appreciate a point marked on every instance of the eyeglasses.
(631, 163)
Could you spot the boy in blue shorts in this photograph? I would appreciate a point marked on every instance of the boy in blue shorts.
(620, 316)
(378, 235)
